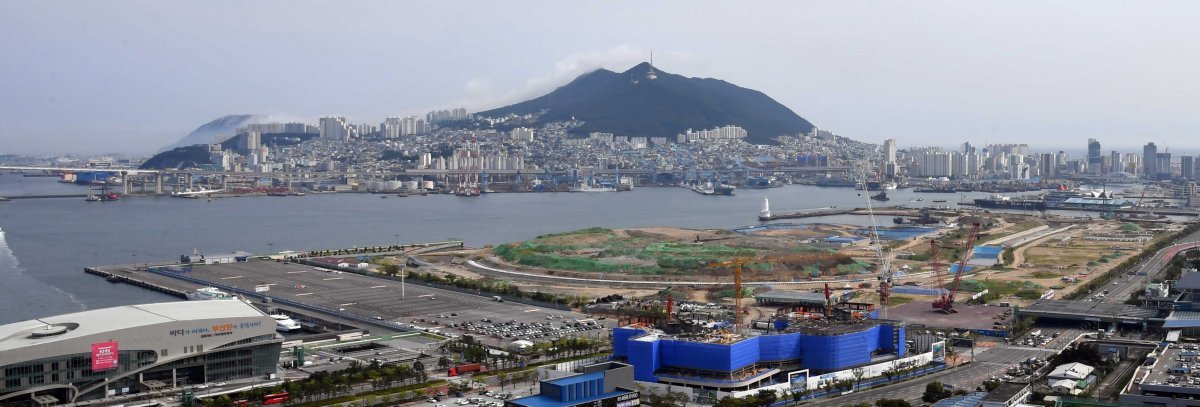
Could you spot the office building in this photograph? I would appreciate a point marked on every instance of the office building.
(1116, 162)
(1047, 167)
(608, 384)
(1150, 160)
(1095, 164)
(1187, 167)
(131, 349)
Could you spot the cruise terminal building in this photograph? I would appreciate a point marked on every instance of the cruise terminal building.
(132, 349)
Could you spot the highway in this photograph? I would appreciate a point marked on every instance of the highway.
(1120, 287)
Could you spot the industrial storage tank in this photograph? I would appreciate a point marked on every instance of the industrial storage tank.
(393, 185)
(426, 184)
(412, 185)
(374, 185)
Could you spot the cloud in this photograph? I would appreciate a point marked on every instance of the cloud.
(480, 94)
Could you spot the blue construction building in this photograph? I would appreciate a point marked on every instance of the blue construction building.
(608, 384)
(723, 361)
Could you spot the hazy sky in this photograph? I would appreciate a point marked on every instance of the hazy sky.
(123, 76)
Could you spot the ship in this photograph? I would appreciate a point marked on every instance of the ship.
(836, 182)
(284, 323)
(881, 196)
(585, 187)
(881, 186)
(708, 188)
(762, 183)
(208, 293)
(1004, 202)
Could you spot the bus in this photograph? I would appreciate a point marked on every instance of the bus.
(275, 398)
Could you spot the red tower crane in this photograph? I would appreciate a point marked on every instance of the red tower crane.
(946, 302)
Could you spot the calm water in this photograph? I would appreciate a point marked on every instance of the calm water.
(45, 243)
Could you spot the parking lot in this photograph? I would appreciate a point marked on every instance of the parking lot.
(412, 306)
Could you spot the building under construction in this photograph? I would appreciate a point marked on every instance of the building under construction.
(721, 360)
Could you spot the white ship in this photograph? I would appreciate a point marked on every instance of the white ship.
(284, 323)
(209, 293)
(590, 188)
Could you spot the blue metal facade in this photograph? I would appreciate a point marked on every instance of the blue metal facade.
(816, 352)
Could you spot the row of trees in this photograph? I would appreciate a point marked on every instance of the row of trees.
(326, 385)
(1126, 265)
(501, 287)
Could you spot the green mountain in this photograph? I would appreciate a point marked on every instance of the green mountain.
(631, 104)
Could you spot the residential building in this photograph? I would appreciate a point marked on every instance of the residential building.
(336, 128)
(1187, 167)
(1095, 165)
(521, 134)
(1150, 160)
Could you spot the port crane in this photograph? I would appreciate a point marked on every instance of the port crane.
(945, 303)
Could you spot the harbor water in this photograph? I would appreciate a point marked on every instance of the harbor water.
(45, 243)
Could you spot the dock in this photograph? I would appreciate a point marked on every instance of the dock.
(890, 211)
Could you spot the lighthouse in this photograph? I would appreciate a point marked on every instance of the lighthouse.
(766, 209)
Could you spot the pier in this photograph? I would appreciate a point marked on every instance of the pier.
(769, 216)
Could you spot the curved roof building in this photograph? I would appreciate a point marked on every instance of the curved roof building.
(131, 349)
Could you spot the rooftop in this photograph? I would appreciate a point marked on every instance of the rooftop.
(81, 324)
(547, 401)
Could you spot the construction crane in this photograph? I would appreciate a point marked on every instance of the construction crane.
(945, 303)
(885, 259)
(736, 264)
(936, 266)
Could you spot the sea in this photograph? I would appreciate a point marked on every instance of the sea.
(46, 243)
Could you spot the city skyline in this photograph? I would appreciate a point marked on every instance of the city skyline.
(98, 81)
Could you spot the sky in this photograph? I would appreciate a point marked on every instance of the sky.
(131, 76)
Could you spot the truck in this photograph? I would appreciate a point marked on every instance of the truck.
(464, 369)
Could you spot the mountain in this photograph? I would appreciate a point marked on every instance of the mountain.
(178, 158)
(630, 104)
(223, 127)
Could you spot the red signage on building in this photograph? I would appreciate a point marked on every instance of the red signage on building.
(104, 356)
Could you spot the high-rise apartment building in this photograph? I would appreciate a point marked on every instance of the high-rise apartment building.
(1163, 166)
(1047, 166)
(1187, 167)
(889, 151)
(336, 128)
(1116, 162)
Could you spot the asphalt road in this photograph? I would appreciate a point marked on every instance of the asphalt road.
(1120, 288)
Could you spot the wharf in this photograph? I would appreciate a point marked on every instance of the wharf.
(6, 198)
(835, 211)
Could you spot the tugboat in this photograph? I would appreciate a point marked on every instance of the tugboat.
(881, 196)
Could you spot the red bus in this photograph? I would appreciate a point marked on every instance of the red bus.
(276, 398)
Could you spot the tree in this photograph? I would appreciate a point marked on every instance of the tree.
(390, 269)
(765, 397)
(443, 362)
(934, 391)
(892, 403)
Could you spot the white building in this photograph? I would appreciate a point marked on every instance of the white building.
(521, 134)
(336, 128)
(1070, 378)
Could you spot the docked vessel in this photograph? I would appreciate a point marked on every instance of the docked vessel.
(881, 196)
(881, 186)
(585, 187)
(209, 293)
(284, 323)
(836, 182)
(1004, 202)
(708, 188)
(763, 183)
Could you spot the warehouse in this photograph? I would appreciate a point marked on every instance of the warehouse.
(133, 349)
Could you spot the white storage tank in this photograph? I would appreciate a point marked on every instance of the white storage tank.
(375, 185)
(394, 185)
(412, 185)
(426, 184)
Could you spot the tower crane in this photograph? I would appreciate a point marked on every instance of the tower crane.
(736, 264)
(945, 303)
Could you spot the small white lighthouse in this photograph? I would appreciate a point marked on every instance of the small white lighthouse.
(766, 209)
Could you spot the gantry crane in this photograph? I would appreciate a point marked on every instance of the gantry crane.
(885, 258)
(945, 303)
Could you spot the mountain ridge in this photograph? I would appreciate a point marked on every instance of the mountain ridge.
(630, 104)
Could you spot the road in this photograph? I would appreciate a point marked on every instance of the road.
(988, 362)
(1120, 288)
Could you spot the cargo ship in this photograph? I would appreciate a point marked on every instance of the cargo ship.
(836, 182)
(762, 183)
(1004, 202)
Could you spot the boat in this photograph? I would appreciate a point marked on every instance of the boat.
(763, 183)
(284, 323)
(208, 293)
(591, 188)
(939, 200)
(724, 189)
(940, 190)
(836, 182)
(92, 197)
(708, 188)
(881, 186)
(1004, 202)
(881, 196)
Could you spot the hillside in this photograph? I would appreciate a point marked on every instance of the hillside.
(178, 158)
(223, 127)
(629, 104)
